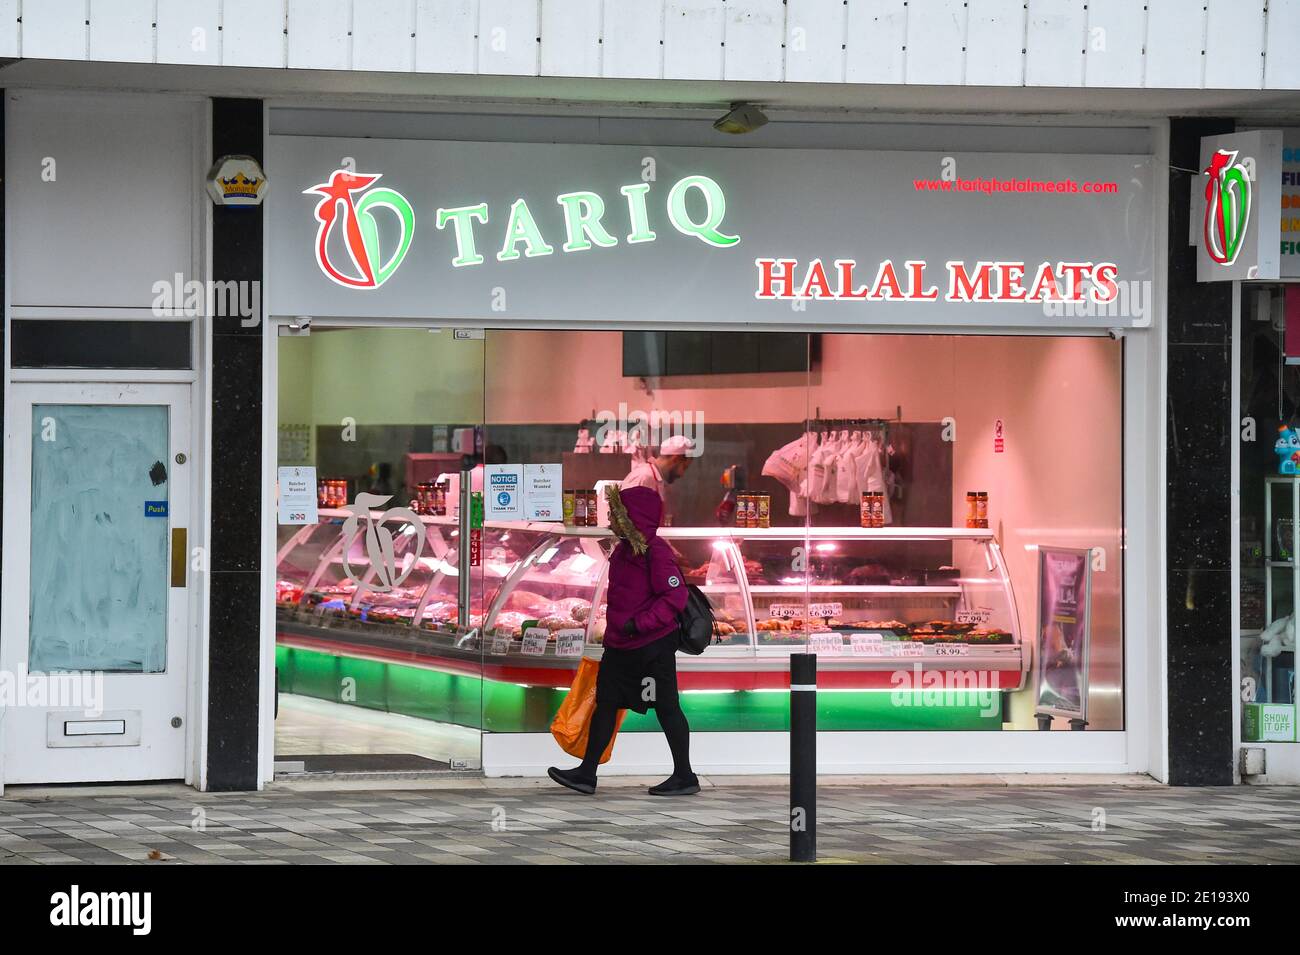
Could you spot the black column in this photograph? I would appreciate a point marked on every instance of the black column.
(1199, 504)
(234, 665)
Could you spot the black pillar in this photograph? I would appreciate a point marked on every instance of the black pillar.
(234, 664)
(1199, 503)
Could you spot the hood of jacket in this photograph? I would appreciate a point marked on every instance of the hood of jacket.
(634, 514)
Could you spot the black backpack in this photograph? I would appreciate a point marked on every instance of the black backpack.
(695, 622)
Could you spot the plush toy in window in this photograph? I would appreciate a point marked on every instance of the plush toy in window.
(1287, 449)
(1278, 636)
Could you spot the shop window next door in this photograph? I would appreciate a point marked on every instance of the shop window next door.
(96, 602)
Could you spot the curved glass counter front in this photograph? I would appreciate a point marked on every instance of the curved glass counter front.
(869, 602)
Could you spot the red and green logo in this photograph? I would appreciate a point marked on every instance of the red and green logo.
(355, 259)
(1227, 206)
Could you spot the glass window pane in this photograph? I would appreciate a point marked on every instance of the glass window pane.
(92, 344)
(99, 538)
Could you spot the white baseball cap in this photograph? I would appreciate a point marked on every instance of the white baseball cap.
(677, 444)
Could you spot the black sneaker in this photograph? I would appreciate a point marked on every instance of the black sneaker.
(677, 786)
(571, 779)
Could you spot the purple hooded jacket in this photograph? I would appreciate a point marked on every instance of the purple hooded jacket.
(645, 589)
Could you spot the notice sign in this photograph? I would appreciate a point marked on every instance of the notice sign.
(503, 492)
(543, 492)
(298, 496)
(999, 438)
(1064, 621)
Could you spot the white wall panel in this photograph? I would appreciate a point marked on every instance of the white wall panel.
(754, 33)
(507, 37)
(995, 43)
(8, 27)
(1234, 44)
(936, 35)
(383, 35)
(1054, 39)
(54, 29)
(107, 158)
(633, 33)
(446, 36)
(876, 36)
(319, 34)
(693, 40)
(814, 41)
(121, 30)
(252, 33)
(1115, 40)
(187, 32)
(1281, 64)
(1175, 39)
(571, 37)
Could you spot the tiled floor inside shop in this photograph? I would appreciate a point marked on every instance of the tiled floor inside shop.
(530, 821)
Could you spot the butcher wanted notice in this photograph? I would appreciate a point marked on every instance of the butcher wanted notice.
(1064, 624)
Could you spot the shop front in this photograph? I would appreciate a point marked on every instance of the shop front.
(901, 403)
(1246, 237)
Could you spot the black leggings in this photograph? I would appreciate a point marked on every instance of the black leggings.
(671, 718)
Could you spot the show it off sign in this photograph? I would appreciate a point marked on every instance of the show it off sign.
(508, 233)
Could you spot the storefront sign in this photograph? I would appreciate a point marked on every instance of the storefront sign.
(298, 496)
(543, 492)
(155, 508)
(1237, 207)
(1064, 624)
(503, 498)
(519, 232)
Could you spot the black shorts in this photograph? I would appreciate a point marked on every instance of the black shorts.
(641, 678)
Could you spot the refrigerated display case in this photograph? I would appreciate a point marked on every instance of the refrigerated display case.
(933, 604)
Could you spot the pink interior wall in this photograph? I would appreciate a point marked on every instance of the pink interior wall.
(1058, 483)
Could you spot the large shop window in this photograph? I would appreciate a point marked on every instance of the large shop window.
(1270, 493)
(938, 517)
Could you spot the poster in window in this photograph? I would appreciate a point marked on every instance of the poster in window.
(1064, 623)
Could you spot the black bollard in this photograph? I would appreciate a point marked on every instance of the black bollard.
(803, 757)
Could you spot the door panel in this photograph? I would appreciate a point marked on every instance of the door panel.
(94, 627)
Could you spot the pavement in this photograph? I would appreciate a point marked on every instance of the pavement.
(988, 821)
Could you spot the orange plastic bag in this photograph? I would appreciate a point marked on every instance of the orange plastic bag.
(573, 721)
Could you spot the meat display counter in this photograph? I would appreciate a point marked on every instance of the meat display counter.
(898, 609)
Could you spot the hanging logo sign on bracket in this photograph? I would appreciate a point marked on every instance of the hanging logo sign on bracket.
(1236, 214)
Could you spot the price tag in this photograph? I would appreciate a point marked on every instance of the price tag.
(978, 616)
(500, 644)
(826, 611)
(867, 645)
(951, 649)
(908, 649)
(826, 643)
(569, 643)
(785, 611)
(535, 639)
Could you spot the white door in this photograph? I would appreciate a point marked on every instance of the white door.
(93, 649)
